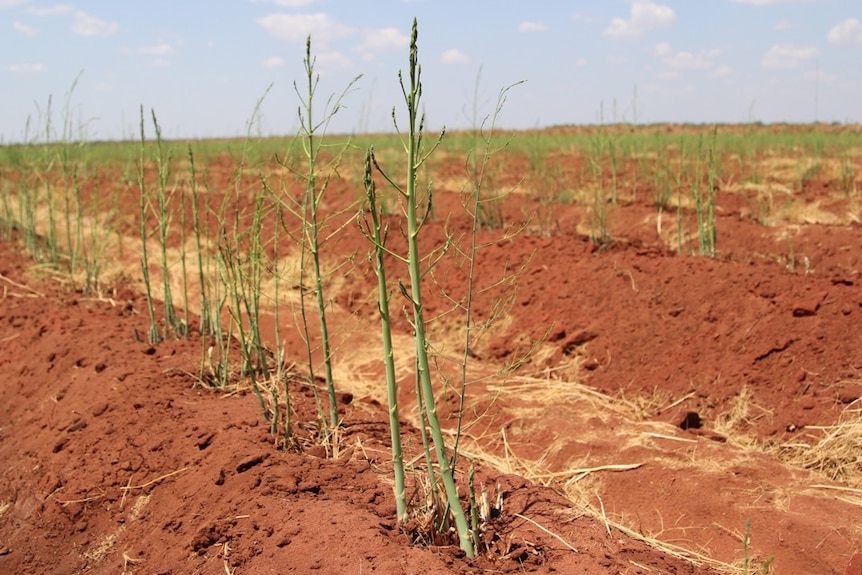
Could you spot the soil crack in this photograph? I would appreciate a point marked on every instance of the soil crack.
(775, 349)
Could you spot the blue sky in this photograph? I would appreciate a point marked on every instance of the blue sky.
(202, 65)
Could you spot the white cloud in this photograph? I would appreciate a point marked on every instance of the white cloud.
(683, 60)
(22, 28)
(617, 59)
(645, 15)
(769, 2)
(786, 56)
(163, 49)
(722, 71)
(782, 25)
(57, 10)
(582, 18)
(26, 68)
(663, 49)
(86, 25)
(159, 63)
(846, 33)
(297, 27)
(532, 26)
(274, 62)
(11, 3)
(454, 56)
(381, 39)
(104, 87)
(581, 63)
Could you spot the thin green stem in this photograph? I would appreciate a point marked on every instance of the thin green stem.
(414, 159)
(376, 232)
(154, 335)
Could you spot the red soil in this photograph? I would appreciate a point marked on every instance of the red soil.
(116, 462)
(660, 397)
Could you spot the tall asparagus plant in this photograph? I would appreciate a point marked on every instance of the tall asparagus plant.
(373, 228)
(316, 175)
(145, 205)
(311, 232)
(416, 212)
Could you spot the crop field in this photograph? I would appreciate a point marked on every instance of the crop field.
(596, 349)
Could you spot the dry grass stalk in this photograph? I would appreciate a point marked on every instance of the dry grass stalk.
(836, 454)
(154, 481)
(33, 293)
(548, 531)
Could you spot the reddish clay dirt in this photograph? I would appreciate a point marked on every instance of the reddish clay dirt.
(115, 461)
(667, 398)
